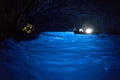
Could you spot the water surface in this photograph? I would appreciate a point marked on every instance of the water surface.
(61, 56)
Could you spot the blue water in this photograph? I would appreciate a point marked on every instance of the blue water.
(61, 56)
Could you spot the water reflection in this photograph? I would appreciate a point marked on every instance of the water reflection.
(63, 56)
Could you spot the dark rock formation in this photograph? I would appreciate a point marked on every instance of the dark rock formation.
(54, 15)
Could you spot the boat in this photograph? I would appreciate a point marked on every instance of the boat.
(83, 30)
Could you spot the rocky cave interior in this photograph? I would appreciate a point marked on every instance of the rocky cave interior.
(54, 15)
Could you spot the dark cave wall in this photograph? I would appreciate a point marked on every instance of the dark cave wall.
(58, 15)
(65, 15)
(14, 13)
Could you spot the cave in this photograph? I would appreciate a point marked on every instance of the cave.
(38, 40)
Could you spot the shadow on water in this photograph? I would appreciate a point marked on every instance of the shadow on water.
(21, 36)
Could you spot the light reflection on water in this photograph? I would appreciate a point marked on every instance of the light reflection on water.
(62, 56)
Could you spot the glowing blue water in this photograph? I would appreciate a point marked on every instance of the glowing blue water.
(61, 56)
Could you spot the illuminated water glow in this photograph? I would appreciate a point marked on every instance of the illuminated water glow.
(61, 56)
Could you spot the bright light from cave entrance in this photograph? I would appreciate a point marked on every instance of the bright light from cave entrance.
(88, 30)
(80, 30)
